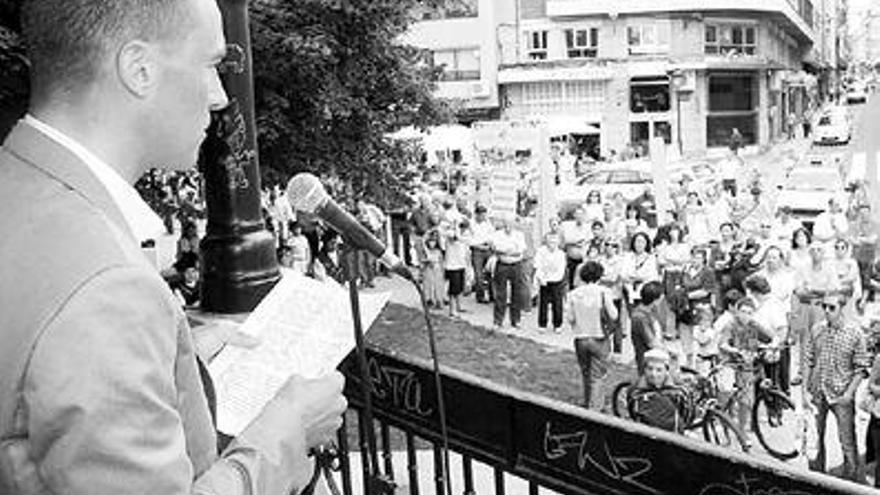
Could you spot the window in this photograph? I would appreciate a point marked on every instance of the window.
(649, 94)
(627, 177)
(582, 43)
(556, 98)
(727, 39)
(461, 64)
(648, 38)
(537, 45)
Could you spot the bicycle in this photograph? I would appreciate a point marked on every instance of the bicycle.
(705, 414)
(773, 413)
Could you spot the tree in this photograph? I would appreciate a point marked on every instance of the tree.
(331, 79)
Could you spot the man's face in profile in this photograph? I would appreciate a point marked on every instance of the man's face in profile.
(189, 86)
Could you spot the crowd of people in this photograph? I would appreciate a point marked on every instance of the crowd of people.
(696, 290)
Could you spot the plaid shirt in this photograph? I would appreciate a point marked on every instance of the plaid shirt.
(835, 357)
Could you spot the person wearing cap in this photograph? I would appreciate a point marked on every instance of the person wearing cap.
(482, 232)
(656, 400)
(836, 361)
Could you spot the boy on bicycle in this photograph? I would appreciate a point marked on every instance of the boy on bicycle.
(656, 400)
(741, 341)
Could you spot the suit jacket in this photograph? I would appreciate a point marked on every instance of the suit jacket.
(99, 388)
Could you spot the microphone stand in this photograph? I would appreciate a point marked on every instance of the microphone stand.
(375, 482)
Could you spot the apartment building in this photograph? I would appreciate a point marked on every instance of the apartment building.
(462, 39)
(620, 72)
(688, 71)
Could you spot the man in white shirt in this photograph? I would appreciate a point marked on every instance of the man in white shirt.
(831, 224)
(482, 232)
(550, 274)
(509, 246)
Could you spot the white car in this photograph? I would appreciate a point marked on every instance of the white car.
(832, 128)
(857, 94)
(807, 190)
(608, 181)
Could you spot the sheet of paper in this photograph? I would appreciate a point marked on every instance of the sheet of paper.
(305, 328)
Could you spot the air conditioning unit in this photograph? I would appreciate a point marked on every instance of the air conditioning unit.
(480, 90)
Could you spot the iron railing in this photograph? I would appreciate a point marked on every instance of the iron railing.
(549, 444)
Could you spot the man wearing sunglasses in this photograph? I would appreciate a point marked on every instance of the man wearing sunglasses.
(836, 361)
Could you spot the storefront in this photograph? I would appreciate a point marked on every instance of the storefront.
(649, 106)
(733, 103)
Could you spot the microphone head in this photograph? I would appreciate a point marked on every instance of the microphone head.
(306, 193)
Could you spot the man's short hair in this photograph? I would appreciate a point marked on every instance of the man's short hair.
(591, 272)
(757, 284)
(650, 292)
(68, 40)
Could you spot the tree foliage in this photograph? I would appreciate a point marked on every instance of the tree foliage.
(331, 79)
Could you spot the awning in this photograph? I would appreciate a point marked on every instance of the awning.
(531, 73)
(564, 125)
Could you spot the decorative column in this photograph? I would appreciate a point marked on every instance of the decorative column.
(239, 264)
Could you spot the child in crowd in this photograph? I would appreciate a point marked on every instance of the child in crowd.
(456, 257)
(431, 260)
(285, 256)
(301, 255)
(550, 274)
(741, 339)
(656, 400)
(188, 287)
(706, 339)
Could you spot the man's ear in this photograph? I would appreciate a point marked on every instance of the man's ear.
(137, 68)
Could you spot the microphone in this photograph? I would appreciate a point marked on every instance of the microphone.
(306, 194)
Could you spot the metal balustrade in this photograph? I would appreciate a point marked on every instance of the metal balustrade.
(498, 435)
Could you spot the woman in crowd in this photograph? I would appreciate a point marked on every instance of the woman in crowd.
(431, 259)
(780, 276)
(328, 262)
(847, 270)
(632, 224)
(697, 220)
(188, 241)
(612, 279)
(638, 267)
(593, 206)
(586, 305)
(673, 254)
(700, 287)
(799, 258)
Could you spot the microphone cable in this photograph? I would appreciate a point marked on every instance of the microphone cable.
(438, 382)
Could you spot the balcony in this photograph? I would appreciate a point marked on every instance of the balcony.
(796, 15)
(508, 435)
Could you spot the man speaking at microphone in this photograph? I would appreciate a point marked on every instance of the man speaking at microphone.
(99, 386)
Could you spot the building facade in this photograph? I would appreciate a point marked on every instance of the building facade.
(462, 40)
(687, 71)
(620, 72)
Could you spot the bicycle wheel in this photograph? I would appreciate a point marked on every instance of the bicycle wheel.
(719, 429)
(619, 405)
(776, 424)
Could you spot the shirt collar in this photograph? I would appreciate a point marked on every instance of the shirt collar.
(141, 220)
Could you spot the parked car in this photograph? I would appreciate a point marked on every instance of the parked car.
(832, 127)
(807, 190)
(857, 94)
(608, 181)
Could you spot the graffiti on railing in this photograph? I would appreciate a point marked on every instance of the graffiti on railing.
(745, 486)
(401, 386)
(626, 469)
